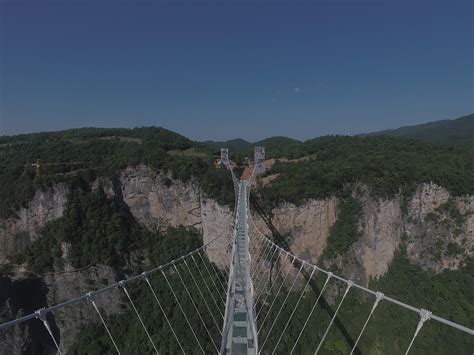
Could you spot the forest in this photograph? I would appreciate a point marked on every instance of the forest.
(100, 229)
(105, 152)
(386, 165)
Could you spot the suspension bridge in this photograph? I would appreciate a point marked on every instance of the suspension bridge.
(240, 309)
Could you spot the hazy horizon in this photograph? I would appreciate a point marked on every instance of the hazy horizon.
(213, 70)
(233, 138)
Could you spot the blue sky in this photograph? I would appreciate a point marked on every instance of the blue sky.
(234, 68)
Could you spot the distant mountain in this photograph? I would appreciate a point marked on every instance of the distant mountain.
(458, 132)
(274, 146)
(237, 145)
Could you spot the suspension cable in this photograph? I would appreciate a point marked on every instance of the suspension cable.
(182, 311)
(212, 279)
(104, 289)
(386, 298)
(147, 279)
(271, 283)
(424, 316)
(378, 298)
(258, 274)
(349, 285)
(276, 295)
(267, 281)
(208, 289)
(202, 297)
(294, 309)
(92, 301)
(122, 285)
(261, 259)
(311, 312)
(42, 315)
(282, 305)
(195, 307)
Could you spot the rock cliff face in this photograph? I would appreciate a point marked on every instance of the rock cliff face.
(437, 229)
(156, 200)
(18, 232)
(442, 236)
(25, 295)
(153, 199)
(68, 285)
(431, 220)
(306, 227)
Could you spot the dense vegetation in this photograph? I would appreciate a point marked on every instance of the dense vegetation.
(456, 133)
(387, 165)
(104, 152)
(345, 231)
(274, 146)
(100, 229)
(126, 328)
(448, 294)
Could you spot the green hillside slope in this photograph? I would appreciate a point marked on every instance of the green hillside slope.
(458, 132)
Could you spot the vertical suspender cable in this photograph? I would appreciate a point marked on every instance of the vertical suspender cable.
(182, 311)
(311, 312)
(294, 310)
(424, 316)
(378, 298)
(42, 314)
(282, 305)
(195, 307)
(207, 287)
(122, 285)
(92, 301)
(147, 279)
(349, 285)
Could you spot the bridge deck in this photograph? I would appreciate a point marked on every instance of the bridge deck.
(240, 328)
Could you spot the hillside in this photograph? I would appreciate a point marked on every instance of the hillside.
(387, 165)
(457, 132)
(274, 146)
(238, 145)
(396, 213)
(391, 213)
(101, 152)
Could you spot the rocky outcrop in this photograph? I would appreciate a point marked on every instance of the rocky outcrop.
(69, 285)
(19, 231)
(437, 229)
(20, 297)
(216, 226)
(382, 226)
(306, 227)
(425, 200)
(156, 200)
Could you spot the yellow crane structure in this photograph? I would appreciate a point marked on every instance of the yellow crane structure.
(38, 164)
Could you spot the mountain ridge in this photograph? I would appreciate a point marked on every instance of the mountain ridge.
(457, 132)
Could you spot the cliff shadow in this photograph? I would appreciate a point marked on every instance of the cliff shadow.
(19, 298)
(282, 241)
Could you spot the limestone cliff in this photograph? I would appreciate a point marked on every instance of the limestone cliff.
(153, 199)
(437, 228)
(19, 231)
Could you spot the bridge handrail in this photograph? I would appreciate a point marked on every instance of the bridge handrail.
(420, 311)
(43, 311)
